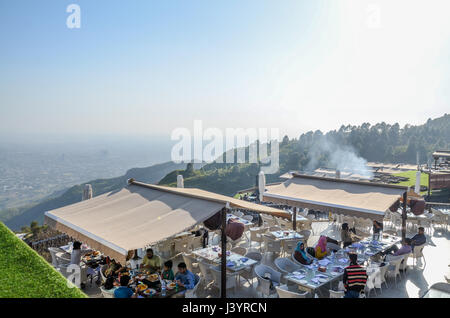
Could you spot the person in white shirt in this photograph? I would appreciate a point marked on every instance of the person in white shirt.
(75, 257)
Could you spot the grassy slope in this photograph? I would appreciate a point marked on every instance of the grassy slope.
(412, 179)
(25, 274)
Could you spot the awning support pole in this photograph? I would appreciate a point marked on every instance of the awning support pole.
(223, 264)
(294, 219)
(405, 198)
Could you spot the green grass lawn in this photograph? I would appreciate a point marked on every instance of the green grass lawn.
(25, 274)
(412, 179)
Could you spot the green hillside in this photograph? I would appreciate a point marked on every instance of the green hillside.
(380, 143)
(25, 274)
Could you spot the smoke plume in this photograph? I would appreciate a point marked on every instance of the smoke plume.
(328, 152)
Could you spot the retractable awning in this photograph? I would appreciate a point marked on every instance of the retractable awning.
(140, 215)
(350, 197)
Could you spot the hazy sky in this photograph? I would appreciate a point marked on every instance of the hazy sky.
(147, 67)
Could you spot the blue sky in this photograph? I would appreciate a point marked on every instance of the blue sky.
(148, 67)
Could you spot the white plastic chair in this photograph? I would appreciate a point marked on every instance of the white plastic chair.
(268, 220)
(306, 234)
(336, 294)
(418, 253)
(284, 292)
(53, 252)
(191, 263)
(192, 293)
(107, 293)
(62, 258)
(249, 272)
(382, 277)
(286, 265)
(239, 214)
(289, 245)
(370, 283)
(271, 245)
(394, 267)
(205, 271)
(230, 278)
(256, 236)
(263, 283)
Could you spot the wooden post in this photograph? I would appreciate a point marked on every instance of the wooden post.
(294, 219)
(223, 264)
(405, 198)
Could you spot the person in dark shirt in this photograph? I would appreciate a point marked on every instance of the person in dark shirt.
(377, 228)
(355, 278)
(418, 239)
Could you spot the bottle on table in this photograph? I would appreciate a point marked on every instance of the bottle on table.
(163, 288)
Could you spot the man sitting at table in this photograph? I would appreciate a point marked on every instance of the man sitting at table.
(418, 239)
(151, 262)
(355, 278)
(395, 251)
(377, 228)
(185, 277)
(348, 236)
(123, 291)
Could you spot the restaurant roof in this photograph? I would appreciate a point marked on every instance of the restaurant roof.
(358, 198)
(140, 215)
(441, 154)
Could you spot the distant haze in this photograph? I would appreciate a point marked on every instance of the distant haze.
(148, 67)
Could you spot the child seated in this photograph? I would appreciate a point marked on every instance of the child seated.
(167, 272)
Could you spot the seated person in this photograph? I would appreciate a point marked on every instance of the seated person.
(123, 291)
(151, 262)
(321, 248)
(348, 236)
(395, 251)
(109, 283)
(113, 268)
(133, 260)
(167, 272)
(300, 254)
(185, 277)
(377, 228)
(418, 239)
(354, 278)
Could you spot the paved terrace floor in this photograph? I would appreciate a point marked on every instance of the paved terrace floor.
(418, 279)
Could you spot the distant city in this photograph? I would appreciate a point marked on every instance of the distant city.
(31, 172)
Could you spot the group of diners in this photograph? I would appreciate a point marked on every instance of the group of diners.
(151, 263)
(355, 276)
